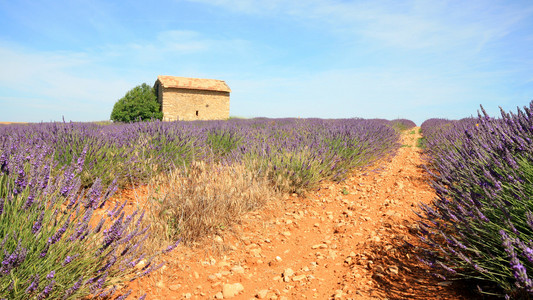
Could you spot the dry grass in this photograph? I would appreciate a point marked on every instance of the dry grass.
(204, 199)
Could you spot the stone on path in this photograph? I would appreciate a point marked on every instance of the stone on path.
(237, 270)
(262, 294)
(288, 272)
(231, 290)
(299, 278)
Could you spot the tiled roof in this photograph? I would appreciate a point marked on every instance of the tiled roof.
(193, 83)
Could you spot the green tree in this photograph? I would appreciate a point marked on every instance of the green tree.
(139, 104)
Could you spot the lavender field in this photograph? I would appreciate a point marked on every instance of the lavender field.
(55, 179)
(60, 238)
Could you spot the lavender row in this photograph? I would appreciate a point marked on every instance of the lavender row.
(300, 151)
(480, 226)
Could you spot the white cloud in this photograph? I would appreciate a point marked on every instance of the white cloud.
(19, 67)
(176, 50)
(407, 25)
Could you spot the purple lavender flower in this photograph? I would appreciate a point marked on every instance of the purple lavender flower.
(528, 253)
(81, 159)
(520, 273)
(136, 261)
(97, 283)
(99, 225)
(93, 199)
(113, 233)
(20, 182)
(57, 236)
(45, 250)
(51, 275)
(480, 269)
(426, 262)
(109, 263)
(34, 285)
(171, 247)
(73, 288)
(46, 177)
(47, 290)
(451, 270)
(138, 223)
(72, 201)
(109, 192)
(69, 259)
(110, 213)
(68, 185)
(83, 235)
(37, 225)
(14, 259)
(525, 250)
(108, 293)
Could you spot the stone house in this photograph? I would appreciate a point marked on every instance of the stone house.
(190, 99)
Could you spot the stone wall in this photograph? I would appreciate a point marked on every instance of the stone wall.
(188, 105)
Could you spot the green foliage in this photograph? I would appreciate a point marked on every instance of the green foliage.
(402, 124)
(223, 142)
(292, 172)
(140, 103)
(421, 142)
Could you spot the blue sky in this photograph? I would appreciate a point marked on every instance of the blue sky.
(292, 58)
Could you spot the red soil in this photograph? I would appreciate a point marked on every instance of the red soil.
(344, 241)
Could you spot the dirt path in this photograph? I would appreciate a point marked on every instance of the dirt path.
(344, 241)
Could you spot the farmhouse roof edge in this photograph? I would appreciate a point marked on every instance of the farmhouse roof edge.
(193, 83)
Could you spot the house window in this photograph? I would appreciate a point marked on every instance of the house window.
(197, 113)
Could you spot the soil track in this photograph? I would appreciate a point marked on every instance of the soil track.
(344, 241)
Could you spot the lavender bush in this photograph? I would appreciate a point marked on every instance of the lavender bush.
(403, 124)
(480, 226)
(298, 154)
(430, 126)
(54, 242)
